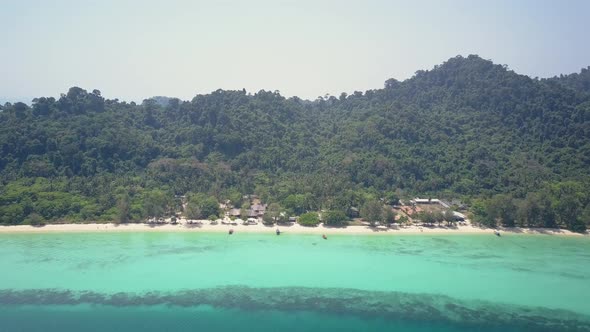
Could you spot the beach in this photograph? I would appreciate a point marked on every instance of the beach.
(205, 226)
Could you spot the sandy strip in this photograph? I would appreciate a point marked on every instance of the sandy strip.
(259, 228)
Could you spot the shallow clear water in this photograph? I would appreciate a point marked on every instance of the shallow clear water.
(208, 282)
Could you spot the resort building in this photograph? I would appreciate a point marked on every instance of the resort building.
(429, 201)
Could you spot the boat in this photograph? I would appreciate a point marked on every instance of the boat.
(497, 233)
(324, 237)
(231, 231)
(278, 231)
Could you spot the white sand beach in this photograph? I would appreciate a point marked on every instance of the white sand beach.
(205, 226)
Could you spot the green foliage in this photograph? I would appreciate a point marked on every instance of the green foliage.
(245, 210)
(466, 127)
(536, 210)
(391, 198)
(193, 211)
(501, 208)
(267, 219)
(34, 219)
(555, 205)
(283, 218)
(479, 214)
(388, 216)
(403, 219)
(438, 217)
(577, 225)
(372, 211)
(310, 219)
(234, 196)
(155, 203)
(273, 211)
(449, 216)
(123, 206)
(11, 214)
(201, 206)
(298, 203)
(334, 218)
(209, 206)
(426, 217)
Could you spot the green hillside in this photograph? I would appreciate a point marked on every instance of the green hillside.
(516, 148)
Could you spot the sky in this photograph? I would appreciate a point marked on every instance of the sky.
(132, 50)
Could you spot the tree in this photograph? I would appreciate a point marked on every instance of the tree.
(567, 211)
(202, 206)
(193, 211)
(123, 209)
(235, 197)
(309, 219)
(34, 219)
(585, 217)
(438, 217)
(273, 211)
(449, 216)
(372, 211)
(334, 218)
(11, 214)
(426, 217)
(296, 203)
(577, 225)
(267, 219)
(480, 214)
(245, 211)
(209, 206)
(283, 218)
(501, 208)
(155, 204)
(388, 216)
(536, 210)
(392, 198)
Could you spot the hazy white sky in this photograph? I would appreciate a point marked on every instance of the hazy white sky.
(132, 50)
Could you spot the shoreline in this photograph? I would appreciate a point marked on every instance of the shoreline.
(286, 229)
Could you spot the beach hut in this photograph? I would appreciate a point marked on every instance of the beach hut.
(234, 213)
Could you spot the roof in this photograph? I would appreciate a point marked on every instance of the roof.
(429, 201)
(458, 214)
(426, 200)
(258, 207)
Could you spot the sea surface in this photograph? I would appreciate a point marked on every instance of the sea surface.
(263, 282)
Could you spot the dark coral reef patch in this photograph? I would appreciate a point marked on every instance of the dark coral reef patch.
(384, 305)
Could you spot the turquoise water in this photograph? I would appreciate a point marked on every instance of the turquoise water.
(216, 282)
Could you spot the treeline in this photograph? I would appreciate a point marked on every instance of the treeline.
(465, 129)
(565, 205)
(105, 199)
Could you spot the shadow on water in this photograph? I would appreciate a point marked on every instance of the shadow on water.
(390, 306)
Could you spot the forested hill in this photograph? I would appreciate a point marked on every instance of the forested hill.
(467, 128)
